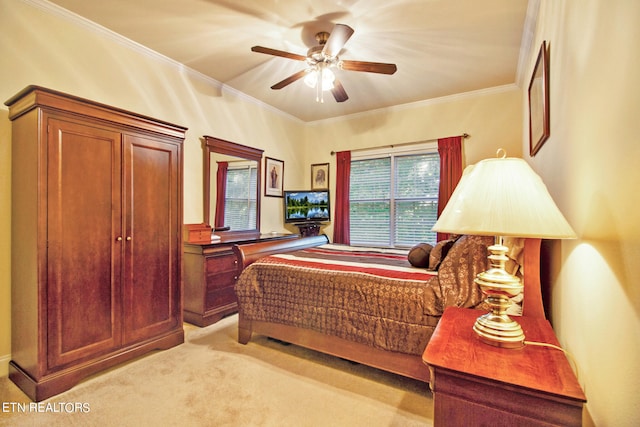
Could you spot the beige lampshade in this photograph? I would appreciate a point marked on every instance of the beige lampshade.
(503, 197)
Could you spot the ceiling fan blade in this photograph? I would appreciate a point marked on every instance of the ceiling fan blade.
(338, 91)
(292, 78)
(369, 67)
(276, 52)
(336, 41)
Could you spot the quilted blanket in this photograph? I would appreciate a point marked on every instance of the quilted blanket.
(365, 295)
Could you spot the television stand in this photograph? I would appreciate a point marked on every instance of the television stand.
(308, 229)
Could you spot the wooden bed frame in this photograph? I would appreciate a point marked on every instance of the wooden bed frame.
(407, 365)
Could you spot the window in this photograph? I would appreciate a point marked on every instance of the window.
(240, 200)
(394, 198)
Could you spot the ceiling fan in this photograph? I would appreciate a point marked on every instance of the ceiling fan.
(322, 58)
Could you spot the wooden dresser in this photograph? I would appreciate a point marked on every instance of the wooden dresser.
(210, 271)
(477, 384)
(96, 238)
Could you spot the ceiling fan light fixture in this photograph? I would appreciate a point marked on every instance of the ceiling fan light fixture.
(311, 79)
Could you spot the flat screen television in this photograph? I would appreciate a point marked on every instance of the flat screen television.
(306, 206)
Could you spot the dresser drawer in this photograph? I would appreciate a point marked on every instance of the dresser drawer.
(221, 297)
(221, 280)
(218, 264)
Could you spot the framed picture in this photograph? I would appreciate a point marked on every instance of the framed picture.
(539, 102)
(273, 177)
(320, 176)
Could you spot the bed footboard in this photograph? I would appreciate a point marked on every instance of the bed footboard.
(407, 365)
(246, 254)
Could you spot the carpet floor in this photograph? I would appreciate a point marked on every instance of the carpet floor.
(212, 380)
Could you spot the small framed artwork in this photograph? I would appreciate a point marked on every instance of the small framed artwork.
(273, 177)
(320, 176)
(539, 102)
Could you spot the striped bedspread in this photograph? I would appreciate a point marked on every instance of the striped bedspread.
(390, 263)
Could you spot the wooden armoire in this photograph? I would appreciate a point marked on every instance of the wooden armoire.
(96, 238)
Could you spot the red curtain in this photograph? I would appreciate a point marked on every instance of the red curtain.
(221, 191)
(450, 150)
(341, 222)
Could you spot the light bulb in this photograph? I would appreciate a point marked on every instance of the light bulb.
(311, 79)
(327, 79)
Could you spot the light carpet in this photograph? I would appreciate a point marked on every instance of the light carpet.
(212, 380)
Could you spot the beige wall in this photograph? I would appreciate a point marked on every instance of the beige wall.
(5, 243)
(492, 118)
(590, 164)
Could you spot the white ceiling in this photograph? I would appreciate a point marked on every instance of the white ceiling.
(441, 47)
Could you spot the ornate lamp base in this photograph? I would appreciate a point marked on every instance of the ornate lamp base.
(496, 327)
(499, 331)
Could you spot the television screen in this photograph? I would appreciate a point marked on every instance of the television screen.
(306, 206)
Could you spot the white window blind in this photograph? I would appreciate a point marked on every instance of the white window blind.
(240, 200)
(370, 202)
(394, 199)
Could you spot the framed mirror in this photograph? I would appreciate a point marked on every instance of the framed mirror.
(231, 186)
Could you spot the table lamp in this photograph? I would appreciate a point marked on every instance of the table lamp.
(501, 197)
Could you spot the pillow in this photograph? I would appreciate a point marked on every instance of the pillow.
(438, 253)
(419, 255)
(514, 265)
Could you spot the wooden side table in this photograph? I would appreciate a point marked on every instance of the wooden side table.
(308, 229)
(477, 384)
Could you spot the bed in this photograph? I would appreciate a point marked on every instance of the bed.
(366, 305)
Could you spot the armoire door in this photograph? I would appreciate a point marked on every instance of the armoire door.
(152, 194)
(83, 252)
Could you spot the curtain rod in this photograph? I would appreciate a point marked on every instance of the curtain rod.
(464, 136)
(233, 161)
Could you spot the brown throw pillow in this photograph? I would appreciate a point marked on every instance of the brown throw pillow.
(419, 255)
(438, 253)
